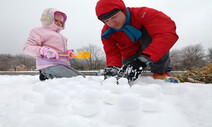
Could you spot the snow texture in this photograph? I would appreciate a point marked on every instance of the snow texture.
(93, 102)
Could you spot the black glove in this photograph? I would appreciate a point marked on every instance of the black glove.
(133, 69)
(110, 71)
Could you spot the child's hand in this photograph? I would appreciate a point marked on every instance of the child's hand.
(70, 52)
(49, 53)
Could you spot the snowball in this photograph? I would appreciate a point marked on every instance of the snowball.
(40, 87)
(108, 97)
(85, 109)
(126, 112)
(112, 80)
(123, 81)
(32, 96)
(149, 91)
(128, 102)
(120, 89)
(91, 96)
(150, 105)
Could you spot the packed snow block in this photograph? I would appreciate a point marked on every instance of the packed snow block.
(27, 102)
(4, 121)
(41, 120)
(91, 96)
(108, 85)
(123, 81)
(126, 112)
(50, 110)
(33, 97)
(94, 83)
(150, 96)
(149, 91)
(108, 97)
(111, 85)
(89, 104)
(111, 90)
(173, 89)
(53, 104)
(54, 97)
(120, 89)
(205, 114)
(72, 94)
(40, 87)
(150, 104)
(112, 80)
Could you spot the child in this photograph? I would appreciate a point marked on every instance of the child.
(46, 43)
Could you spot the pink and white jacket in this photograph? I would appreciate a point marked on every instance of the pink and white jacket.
(49, 36)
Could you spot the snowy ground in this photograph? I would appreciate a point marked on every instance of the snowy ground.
(78, 102)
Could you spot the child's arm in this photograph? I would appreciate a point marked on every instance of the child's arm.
(33, 43)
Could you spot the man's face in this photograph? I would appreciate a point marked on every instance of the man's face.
(116, 21)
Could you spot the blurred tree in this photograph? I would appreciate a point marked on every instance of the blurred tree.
(8, 62)
(26, 60)
(176, 59)
(193, 56)
(5, 62)
(209, 55)
(77, 64)
(186, 58)
(97, 59)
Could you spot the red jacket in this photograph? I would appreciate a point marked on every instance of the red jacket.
(119, 46)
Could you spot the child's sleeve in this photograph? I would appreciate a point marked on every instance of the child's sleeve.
(66, 42)
(33, 43)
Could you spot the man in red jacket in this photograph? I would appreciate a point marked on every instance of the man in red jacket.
(135, 38)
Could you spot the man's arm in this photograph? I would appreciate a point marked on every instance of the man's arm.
(162, 30)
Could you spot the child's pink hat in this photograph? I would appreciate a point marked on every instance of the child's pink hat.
(59, 16)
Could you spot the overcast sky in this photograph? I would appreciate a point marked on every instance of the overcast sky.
(193, 19)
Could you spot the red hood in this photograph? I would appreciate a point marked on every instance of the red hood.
(105, 6)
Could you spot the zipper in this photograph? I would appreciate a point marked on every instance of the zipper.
(63, 44)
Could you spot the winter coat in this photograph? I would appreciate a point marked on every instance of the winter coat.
(49, 36)
(119, 46)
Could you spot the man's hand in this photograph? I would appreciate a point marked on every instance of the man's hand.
(110, 71)
(133, 69)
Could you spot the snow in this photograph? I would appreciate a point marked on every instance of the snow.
(93, 102)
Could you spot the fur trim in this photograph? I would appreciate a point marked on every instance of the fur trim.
(46, 19)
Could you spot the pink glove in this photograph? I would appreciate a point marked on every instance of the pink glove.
(49, 53)
(70, 52)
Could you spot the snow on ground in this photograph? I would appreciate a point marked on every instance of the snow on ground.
(91, 102)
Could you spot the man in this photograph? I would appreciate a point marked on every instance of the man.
(135, 37)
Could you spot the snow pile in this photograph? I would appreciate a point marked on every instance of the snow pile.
(93, 102)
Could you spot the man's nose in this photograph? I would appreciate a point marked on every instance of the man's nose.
(112, 23)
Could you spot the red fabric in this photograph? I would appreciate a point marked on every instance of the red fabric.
(161, 75)
(119, 46)
(105, 6)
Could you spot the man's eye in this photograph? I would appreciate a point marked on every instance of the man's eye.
(113, 17)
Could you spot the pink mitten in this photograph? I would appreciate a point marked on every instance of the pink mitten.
(49, 53)
(70, 52)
